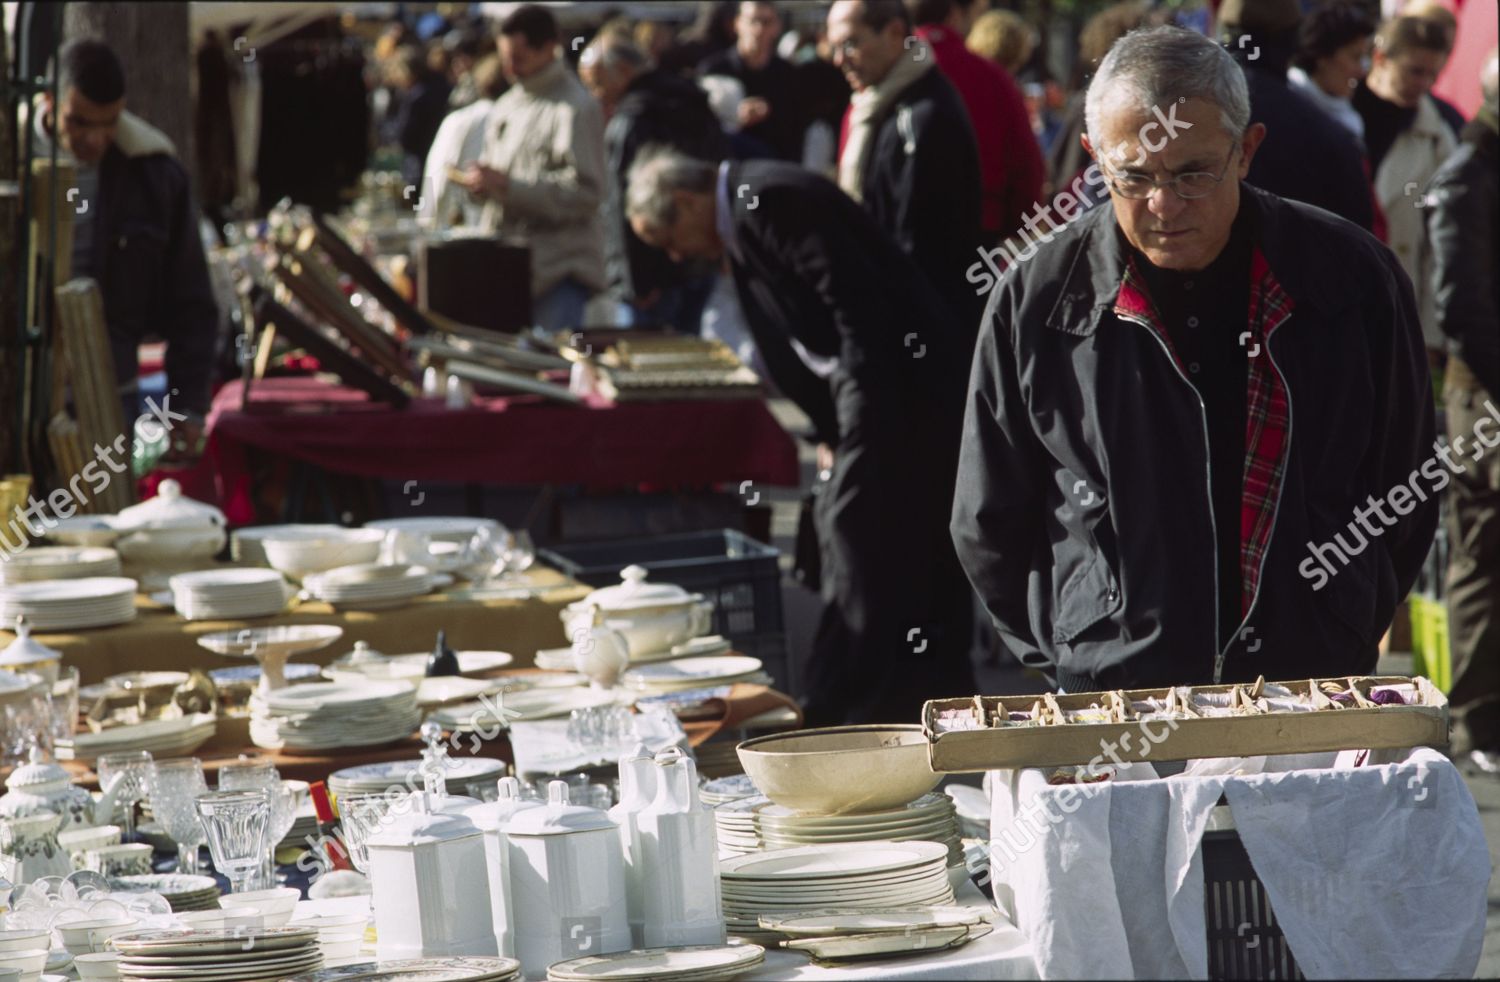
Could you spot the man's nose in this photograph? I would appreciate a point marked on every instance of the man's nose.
(1164, 202)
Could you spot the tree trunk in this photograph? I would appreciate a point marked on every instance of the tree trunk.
(153, 42)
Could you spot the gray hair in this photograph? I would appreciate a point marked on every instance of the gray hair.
(657, 172)
(613, 51)
(1155, 66)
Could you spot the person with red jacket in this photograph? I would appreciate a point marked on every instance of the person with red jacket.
(1010, 161)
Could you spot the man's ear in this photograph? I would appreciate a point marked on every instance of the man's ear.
(1083, 140)
(1249, 143)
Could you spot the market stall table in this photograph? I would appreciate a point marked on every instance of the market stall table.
(160, 639)
(511, 440)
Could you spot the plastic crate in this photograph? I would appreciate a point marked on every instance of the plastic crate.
(740, 575)
(1431, 654)
(1244, 940)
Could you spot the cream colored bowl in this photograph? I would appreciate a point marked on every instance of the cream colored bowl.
(841, 770)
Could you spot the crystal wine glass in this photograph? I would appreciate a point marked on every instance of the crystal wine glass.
(521, 554)
(360, 816)
(236, 822)
(125, 775)
(173, 786)
(250, 773)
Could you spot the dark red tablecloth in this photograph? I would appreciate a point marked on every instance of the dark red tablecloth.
(516, 440)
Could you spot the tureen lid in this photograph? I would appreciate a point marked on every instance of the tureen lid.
(557, 817)
(494, 815)
(425, 822)
(169, 509)
(26, 650)
(633, 591)
(36, 773)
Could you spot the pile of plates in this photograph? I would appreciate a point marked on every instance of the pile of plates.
(456, 529)
(413, 667)
(519, 706)
(320, 716)
(726, 789)
(182, 891)
(372, 587)
(694, 673)
(931, 817)
(848, 875)
(229, 594)
(160, 737)
(734, 823)
(69, 605)
(222, 956)
(685, 963)
(405, 774)
(59, 563)
(421, 970)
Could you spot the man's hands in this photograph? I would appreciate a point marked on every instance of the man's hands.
(485, 182)
(753, 110)
(825, 457)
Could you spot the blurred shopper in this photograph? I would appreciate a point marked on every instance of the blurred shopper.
(465, 49)
(771, 111)
(852, 332)
(711, 33)
(1435, 12)
(1185, 406)
(648, 106)
(1303, 158)
(1464, 198)
(421, 104)
(908, 153)
(1010, 162)
(541, 172)
(825, 93)
(140, 240)
(1407, 141)
(460, 142)
(1333, 56)
(1002, 36)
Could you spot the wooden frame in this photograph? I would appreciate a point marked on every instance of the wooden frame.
(351, 263)
(333, 357)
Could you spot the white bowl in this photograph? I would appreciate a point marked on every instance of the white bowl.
(174, 545)
(86, 937)
(31, 961)
(841, 770)
(335, 951)
(296, 555)
(98, 965)
(23, 940)
(222, 920)
(275, 905)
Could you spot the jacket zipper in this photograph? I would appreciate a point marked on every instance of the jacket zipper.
(1208, 483)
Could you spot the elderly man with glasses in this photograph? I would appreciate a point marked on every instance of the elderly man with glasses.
(1199, 440)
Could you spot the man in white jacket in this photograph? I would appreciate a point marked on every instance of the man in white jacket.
(541, 172)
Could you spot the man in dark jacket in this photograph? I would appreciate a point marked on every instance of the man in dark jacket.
(851, 331)
(1302, 158)
(140, 241)
(644, 106)
(908, 153)
(1462, 221)
(1187, 408)
(771, 112)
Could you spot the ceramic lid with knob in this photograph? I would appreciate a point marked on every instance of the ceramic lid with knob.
(168, 510)
(37, 774)
(634, 593)
(25, 651)
(495, 816)
(426, 823)
(557, 817)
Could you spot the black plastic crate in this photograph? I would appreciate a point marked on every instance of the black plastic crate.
(740, 575)
(1244, 940)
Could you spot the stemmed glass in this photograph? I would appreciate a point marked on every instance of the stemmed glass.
(521, 553)
(360, 816)
(236, 822)
(125, 775)
(64, 705)
(174, 786)
(248, 773)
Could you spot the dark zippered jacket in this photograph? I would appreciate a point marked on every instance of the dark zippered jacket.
(1082, 512)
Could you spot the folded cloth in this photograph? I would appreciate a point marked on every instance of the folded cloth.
(1378, 871)
(744, 702)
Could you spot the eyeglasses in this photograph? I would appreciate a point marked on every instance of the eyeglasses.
(1194, 184)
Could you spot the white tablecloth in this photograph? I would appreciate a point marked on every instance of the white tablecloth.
(1002, 954)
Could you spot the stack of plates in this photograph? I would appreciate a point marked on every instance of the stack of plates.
(322, 716)
(223, 956)
(413, 667)
(182, 891)
(687, 963)
(228, 594)
(405, 774)
(421, 970)
(160, 737)
(694, 673)
(378, 592)
(457, 529)
(931, 817)
(734, 824)
(727, 789)
(849, 876)
(521, 705)
(59, 563)
(69, 605)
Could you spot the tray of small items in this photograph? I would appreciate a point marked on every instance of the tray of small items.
(983, 733)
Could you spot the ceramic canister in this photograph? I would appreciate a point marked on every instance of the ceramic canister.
(493, 820)
(679, 855)
(637, 790)
(567, 880)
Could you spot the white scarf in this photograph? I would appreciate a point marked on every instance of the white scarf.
(867, 111)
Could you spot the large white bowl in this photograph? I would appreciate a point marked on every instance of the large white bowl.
(841, 770)
(297, 553)
(275, 906)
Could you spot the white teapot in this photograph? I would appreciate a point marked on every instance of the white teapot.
(43, 787)
(652, 616)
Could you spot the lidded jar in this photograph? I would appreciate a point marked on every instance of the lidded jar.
(493, 820)
(679, 854)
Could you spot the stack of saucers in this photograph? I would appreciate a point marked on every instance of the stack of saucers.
(59, 563)
(931, 817)
(69, 605)
(176, 737)
(726, 789)
(319, 716)
(182, 891)
(237, 955)
(369, 586)
(734, 823)
(228, 594)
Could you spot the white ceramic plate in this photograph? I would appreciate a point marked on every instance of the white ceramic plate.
(46, 592)
(317, 696)
(694, 670)
(822, 924)
(187, 942)
(421, 970)
(836, 860)
(697, 961)
(414, 666)
(523, 704)
(859, 946)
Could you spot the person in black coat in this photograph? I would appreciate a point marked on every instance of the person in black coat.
(909, 154)
(647, 106)
(852, 332)
(772, 110)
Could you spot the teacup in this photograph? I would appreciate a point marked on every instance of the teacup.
(130, 859)
(78, 842)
